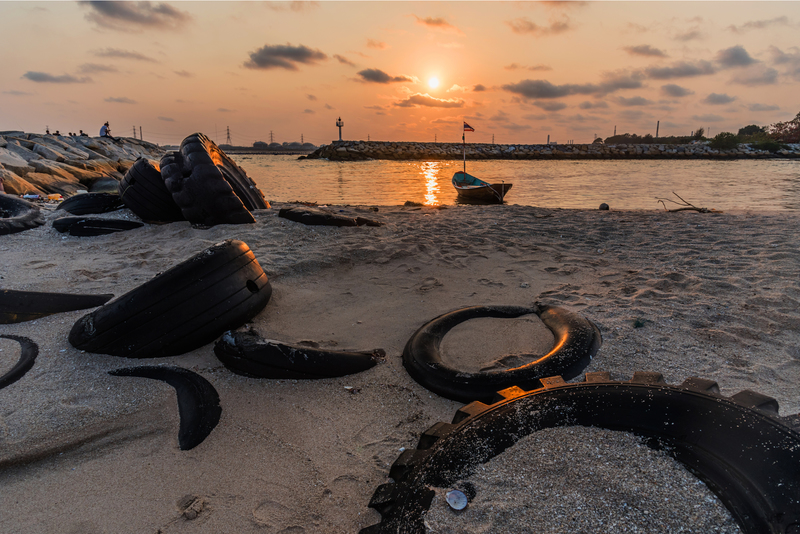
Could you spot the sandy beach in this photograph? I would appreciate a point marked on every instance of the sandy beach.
(685, 294)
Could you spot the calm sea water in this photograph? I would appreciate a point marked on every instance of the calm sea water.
(765, 185)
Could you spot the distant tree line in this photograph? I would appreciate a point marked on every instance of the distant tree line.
(772, 137)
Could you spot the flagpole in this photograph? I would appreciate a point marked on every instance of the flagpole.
(464, 141)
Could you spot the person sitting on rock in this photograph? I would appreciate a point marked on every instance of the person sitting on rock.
(105, 131)
(84, 134)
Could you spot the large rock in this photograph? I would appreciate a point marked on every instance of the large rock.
(48, 153)
(19, 150)
(14, 185)
(14, 162)
(55, 184)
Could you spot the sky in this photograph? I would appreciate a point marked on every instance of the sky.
(517, 72)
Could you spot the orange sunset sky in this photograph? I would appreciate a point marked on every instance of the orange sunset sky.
(518, 71)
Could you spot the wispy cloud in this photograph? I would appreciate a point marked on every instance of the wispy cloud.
(719, 99)
(309, 111)
(296, 6)
(135, 16)
(515, 66)
(311, 97)
(675, 91)
(763, 107)
(184, 73)
(119, 100)
(43, 77)
(593, 105)
(708, 117)
(378, 76)
(122, 54)
(377, 45)
(759, 24)
(283, 57)
(225, 110)
(789, 60)
(436, 23)
(691, 35)
(426, 100)
(343, 60)
(681, 69)
(95, 68)
(549, 106)
(525, 26)
(644, 50)
(17, 93)
(166, 119)
(610, 82)
(735, 56)
(633, 101)
(756, 75)
(478, 87)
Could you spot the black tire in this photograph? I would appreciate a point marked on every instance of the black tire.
(20, 306)
(27, 357)
(17, 215)
(314, 217)
(247, 354)
(198, 401)
(88, 203)
(184, 308)
(737, 445)
(577, 340)
(89, 227)
(208, 186)
(143, 191)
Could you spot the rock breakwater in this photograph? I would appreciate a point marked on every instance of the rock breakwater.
(365, 150)
(35, 164)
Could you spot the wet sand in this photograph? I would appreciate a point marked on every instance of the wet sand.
(685, 294)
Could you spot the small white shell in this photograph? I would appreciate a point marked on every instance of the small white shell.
(456, 499)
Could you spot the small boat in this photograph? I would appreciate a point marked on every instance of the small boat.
(470, 188)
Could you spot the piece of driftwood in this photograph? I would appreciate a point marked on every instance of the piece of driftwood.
(686, 206)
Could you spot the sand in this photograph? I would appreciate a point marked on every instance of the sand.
(685, 294)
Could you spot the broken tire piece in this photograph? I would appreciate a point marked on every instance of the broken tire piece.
(315, 217)
(208, 186)
(17, 215)
(184, 308)
(739, 446)
(247, 354)
(90, 227)
(144, 193)
(88, 203)
(29, 351)
(20, 306)
(577, 340)
(198, 401)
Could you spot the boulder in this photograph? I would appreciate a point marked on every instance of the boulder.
(55, 184)
(24, 153)
(14, 162)
(48, 153)
(14, 185)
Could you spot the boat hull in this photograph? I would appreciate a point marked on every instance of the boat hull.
(472, 189)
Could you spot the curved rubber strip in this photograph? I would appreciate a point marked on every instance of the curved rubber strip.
(181, 309)
(144, 193)
(19, 306)
(27, 357)
(88, 227)
(577, 340)
(198, 401)
(314, 217)
(747, 455)
(247, 354)
(87, 203)
(18, 215)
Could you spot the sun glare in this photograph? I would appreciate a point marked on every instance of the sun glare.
(433, 83)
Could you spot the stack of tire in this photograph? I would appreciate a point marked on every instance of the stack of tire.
(198, 183)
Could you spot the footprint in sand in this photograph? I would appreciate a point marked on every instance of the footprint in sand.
(277, 517)
(429, 283)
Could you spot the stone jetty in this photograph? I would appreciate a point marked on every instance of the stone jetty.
(36, 164)
(365, 150)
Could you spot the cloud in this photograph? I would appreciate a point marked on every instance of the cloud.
(378, 76)
(166, 119)
(681, 69)
(515, 66)
(478, 87)
(378, 45)
(708, 117)
(457, 87)
(532, 117)
(343, 60)
(545, 89)
(718, 99)
(633, 101)
(756, 75)
(436, 23)
(94, 68)
(644, 50)
(515, 127)
(225, 110)
(790, 60)
(550, 106)
(296, 6)
(691, 35)
(735, 56)
(759, 24)
(283, 57)
(309, 111)
(376, 108)
(43, 77)
(184, 73)
(328, 106)
(631, 114)
(675, 91)
(427, 100)
(17, 93)
(525, 26)
(763, 107)
(135, 16)
(311, 97)
(119, 100)
(620, 79)
(593, 105)
(122, 54)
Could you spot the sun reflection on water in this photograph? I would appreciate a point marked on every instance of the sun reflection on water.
(430, 169)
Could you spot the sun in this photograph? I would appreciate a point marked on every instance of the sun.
(433, 83)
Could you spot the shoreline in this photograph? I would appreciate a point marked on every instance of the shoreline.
(684, 294)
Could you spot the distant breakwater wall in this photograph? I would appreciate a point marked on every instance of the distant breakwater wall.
(366, 150)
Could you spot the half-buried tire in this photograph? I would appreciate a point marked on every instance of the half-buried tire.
(93, 226)
(17, 215)
(87, 203)
(738, 445)
(144, 193)
(577, 340)
(208, 186)
(182, 309)
(28, 352)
